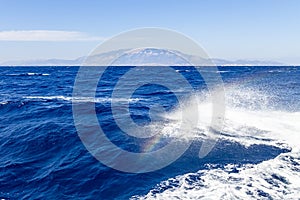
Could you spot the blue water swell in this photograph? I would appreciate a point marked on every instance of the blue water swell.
(42, 157)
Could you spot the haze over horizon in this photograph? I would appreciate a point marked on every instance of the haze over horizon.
(232, 30)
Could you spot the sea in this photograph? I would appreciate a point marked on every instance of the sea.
(256, 154)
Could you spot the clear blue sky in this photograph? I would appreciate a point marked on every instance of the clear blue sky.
(240, 29)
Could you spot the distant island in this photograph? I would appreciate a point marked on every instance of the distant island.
(146, 56)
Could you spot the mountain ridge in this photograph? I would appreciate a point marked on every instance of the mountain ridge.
(144, 57)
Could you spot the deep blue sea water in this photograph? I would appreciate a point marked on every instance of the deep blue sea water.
(256, 156)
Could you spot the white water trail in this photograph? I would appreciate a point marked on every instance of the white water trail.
(250, 119)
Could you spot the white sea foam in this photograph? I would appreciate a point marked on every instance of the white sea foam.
(244, 123)
(29, 74)
(81, 99)
(273, 179)
(37, 74)
(247, 124)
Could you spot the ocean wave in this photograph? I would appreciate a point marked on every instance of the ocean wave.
(29, 74)
(276, 178)
(4, 102)
(81, 99)
(244, 122)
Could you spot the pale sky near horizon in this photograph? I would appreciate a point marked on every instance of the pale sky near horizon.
(233, 29)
